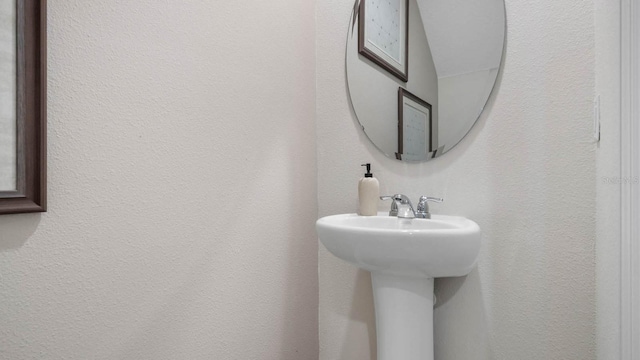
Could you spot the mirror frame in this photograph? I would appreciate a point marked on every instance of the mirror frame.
(31, 109)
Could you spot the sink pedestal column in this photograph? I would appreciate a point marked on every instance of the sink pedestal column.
(404, 316)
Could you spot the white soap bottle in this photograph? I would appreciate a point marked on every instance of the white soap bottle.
(368, 193)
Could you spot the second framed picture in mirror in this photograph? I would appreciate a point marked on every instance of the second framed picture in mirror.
(415, 133)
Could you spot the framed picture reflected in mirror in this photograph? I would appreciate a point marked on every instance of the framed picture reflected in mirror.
(383, 35)
(415, 127)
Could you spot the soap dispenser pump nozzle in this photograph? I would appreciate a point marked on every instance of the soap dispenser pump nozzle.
(368, 173)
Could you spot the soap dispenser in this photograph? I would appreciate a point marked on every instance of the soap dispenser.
(368, 193)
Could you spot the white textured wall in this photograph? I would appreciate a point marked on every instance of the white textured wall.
(526, 173)
(607, 40)
(181, 187)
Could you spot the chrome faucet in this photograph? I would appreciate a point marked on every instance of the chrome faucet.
(402, 207)
(423, 206)
(394, 207)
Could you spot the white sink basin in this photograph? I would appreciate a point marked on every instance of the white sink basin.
(403, 255)
(439, 247)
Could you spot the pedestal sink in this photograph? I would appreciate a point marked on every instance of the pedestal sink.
(404, 256)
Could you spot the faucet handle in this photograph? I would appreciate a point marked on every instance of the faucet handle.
(422, 210)
(394, 206)
(424, 199)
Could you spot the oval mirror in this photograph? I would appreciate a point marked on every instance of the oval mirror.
(420, 72)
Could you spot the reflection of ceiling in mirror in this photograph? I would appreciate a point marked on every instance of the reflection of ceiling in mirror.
(7, 95)
(465, 36)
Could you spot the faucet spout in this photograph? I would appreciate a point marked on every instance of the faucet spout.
(405, 207)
